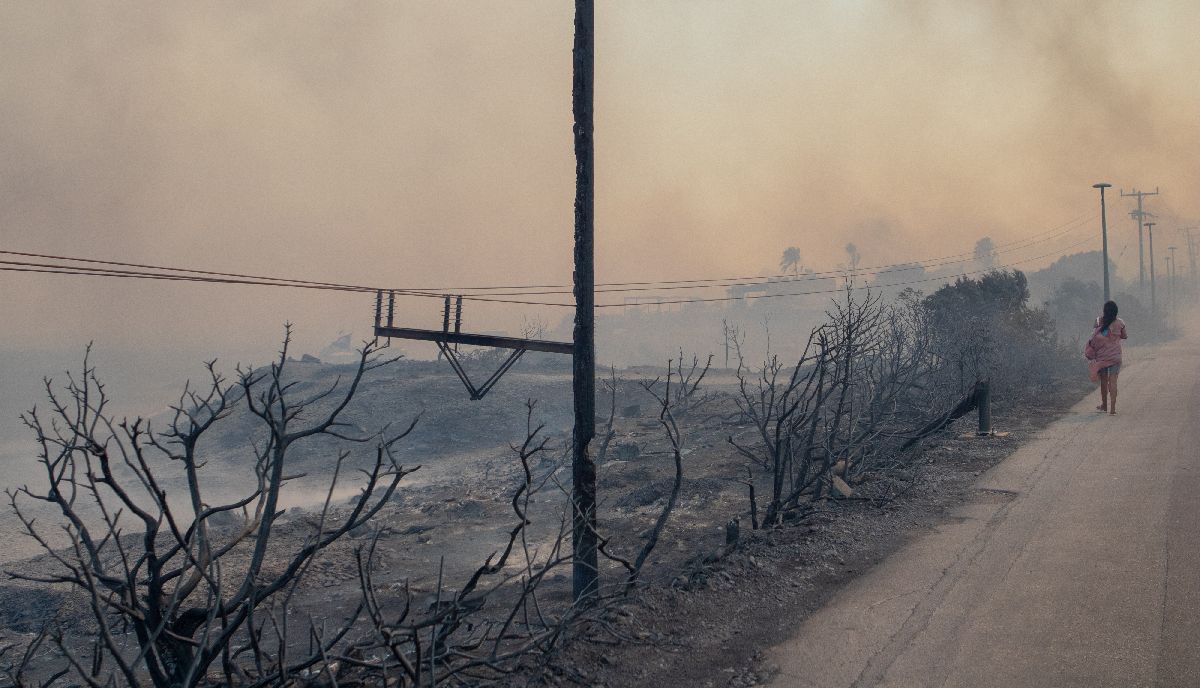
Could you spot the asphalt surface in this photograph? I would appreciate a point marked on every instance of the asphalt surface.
(1078, 566)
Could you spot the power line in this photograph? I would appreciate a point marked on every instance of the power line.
(1040, 237)
(234, 275)
(17, 266)
(148, 271)
(211, 276)
(787, 279)
(872, 286)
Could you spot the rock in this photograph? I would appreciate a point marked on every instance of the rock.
(470, 509)
(226, 519)
(840, 486)
(26, 610)
(631, 411)
(309, 358)
(645, 494)
(365, 530)
(732, 531)
(625, 451)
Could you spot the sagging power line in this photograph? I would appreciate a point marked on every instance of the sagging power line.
(46, 268)
(170, 273)
(1005, 247)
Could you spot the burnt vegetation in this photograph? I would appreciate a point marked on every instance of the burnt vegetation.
(180, 587)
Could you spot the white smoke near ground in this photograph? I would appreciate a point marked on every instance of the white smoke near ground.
(429, 144)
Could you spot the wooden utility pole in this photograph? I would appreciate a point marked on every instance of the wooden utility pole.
(1104, 233)
(1187, 231)
(1139, 216)
(1153, 291)
(1171, 281)
(585, 570)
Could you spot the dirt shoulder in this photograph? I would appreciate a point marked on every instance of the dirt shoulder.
(709, 627)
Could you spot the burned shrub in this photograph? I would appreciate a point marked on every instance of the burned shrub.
(184, 591)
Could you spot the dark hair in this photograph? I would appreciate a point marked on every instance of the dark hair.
(1110, 314)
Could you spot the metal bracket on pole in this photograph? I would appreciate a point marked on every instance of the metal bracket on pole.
(447, 341)
(478, 393)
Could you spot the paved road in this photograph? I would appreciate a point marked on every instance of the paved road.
(1080, 566)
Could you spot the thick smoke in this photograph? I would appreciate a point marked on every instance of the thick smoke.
(428, 144)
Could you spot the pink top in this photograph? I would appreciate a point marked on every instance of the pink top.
(1104, 348)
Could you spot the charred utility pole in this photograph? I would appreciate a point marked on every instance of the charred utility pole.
(585, 566)
(1139, 216)
(1104, 233)
(1153, 293)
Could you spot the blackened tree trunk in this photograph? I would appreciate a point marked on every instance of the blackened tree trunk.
(583, 473)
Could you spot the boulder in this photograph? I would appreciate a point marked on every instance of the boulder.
(840, 487)
(624, 451)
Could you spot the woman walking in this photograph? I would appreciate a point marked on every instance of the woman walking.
(1104, 356)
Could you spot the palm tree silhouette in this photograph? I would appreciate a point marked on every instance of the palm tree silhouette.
(790, 260)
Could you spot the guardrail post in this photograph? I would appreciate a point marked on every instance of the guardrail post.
(983, 401)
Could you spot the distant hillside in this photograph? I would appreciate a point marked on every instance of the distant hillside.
(1080, 267)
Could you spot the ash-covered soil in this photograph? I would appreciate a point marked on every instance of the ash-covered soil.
(710, 626)
(694, 624)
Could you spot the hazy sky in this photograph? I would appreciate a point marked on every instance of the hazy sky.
(428, 143)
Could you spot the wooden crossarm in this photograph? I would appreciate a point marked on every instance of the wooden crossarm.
(475, 339)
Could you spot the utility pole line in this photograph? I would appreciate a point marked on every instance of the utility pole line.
(585, 565)
(725, 336)
(1104, 234)
(1171, 280)
(1153, 292)
(1187, 232)
(1139, 217)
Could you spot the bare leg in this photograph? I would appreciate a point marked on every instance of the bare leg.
(1112, 394)
(1103, 392)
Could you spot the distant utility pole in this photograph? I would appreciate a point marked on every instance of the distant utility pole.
(1187, 232)
(1171, 280)
(1139, 217)
(1153, 293)
(1104, 233)
(584, 562)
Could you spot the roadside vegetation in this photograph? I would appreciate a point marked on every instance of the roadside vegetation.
(165, 581)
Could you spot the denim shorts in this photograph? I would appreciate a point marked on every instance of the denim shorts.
(1113, 369)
